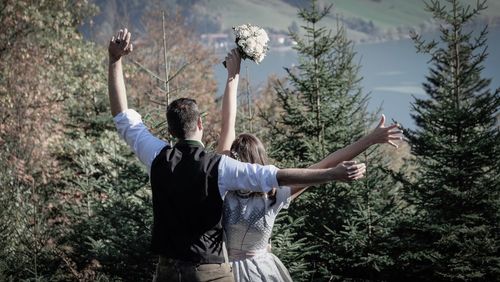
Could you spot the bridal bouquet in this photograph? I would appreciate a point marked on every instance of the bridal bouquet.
(251, 41)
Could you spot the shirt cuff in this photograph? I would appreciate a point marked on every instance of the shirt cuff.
(126, 120)
(129, 116)
(274, 179)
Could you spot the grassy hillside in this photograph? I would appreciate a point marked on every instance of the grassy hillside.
(385, 15)
(364, 19)
(393, 13)
(274, 13)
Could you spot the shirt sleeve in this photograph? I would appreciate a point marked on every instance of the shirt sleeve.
(131, 129)
(236, 175)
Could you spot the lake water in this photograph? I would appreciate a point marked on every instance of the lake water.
(392, 72)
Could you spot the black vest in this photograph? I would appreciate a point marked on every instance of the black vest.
(187, 205)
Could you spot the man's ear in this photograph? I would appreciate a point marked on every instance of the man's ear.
(200, 123)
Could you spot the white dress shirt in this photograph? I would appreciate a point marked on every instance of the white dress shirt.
(233, 175)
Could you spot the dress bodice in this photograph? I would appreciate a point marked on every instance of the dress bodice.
(248, 219)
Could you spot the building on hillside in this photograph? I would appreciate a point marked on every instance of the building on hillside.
(215, 40)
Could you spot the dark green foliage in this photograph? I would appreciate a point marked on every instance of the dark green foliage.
(323, 100)
(113, 215)
(349, 225)
(289, 249)
(456, 189)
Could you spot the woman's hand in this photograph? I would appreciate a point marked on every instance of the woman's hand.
(233, 63)
(382, 134)
(120, 45)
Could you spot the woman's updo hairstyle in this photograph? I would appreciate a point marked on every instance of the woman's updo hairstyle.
(248, 148)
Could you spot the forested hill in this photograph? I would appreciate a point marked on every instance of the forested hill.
(364, 19)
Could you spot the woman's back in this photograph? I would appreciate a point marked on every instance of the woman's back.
(248, 222)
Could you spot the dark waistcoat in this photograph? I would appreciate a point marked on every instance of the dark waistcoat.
(187, 205)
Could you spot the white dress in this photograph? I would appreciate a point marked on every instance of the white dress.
(248, 222)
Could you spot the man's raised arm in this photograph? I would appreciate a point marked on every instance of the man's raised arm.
(119, 46)
(127, 121)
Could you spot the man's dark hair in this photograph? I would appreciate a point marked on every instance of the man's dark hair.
(182, 117)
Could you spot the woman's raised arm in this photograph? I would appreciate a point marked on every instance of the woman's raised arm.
(379, 135)
(228, 132)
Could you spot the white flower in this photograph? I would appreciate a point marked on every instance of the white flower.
(262, 37)
(247, 51)
(242, 43)
(252, 41)
(259, 58)
(254, 29)
(259, 49)
(242, 31)
(245, 33)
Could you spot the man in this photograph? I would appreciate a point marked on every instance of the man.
(189, 183)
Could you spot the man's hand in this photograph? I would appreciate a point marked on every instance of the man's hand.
(382, 134)
(120, 45)
(233, 63)
(349, 171)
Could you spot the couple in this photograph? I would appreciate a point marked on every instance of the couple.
(204, 200)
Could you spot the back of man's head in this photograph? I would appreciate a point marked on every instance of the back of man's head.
(182, 117)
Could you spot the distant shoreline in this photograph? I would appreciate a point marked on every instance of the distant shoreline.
(401, 34)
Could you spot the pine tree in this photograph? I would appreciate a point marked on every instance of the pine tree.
(290, 248)
(455, 234)
(107, 207)
(349, 226)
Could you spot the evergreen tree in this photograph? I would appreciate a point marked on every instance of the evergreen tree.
(324, 109)
(291, 247)
(107, 205)
(455, 234)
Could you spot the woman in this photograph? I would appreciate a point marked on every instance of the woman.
(249, 217)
